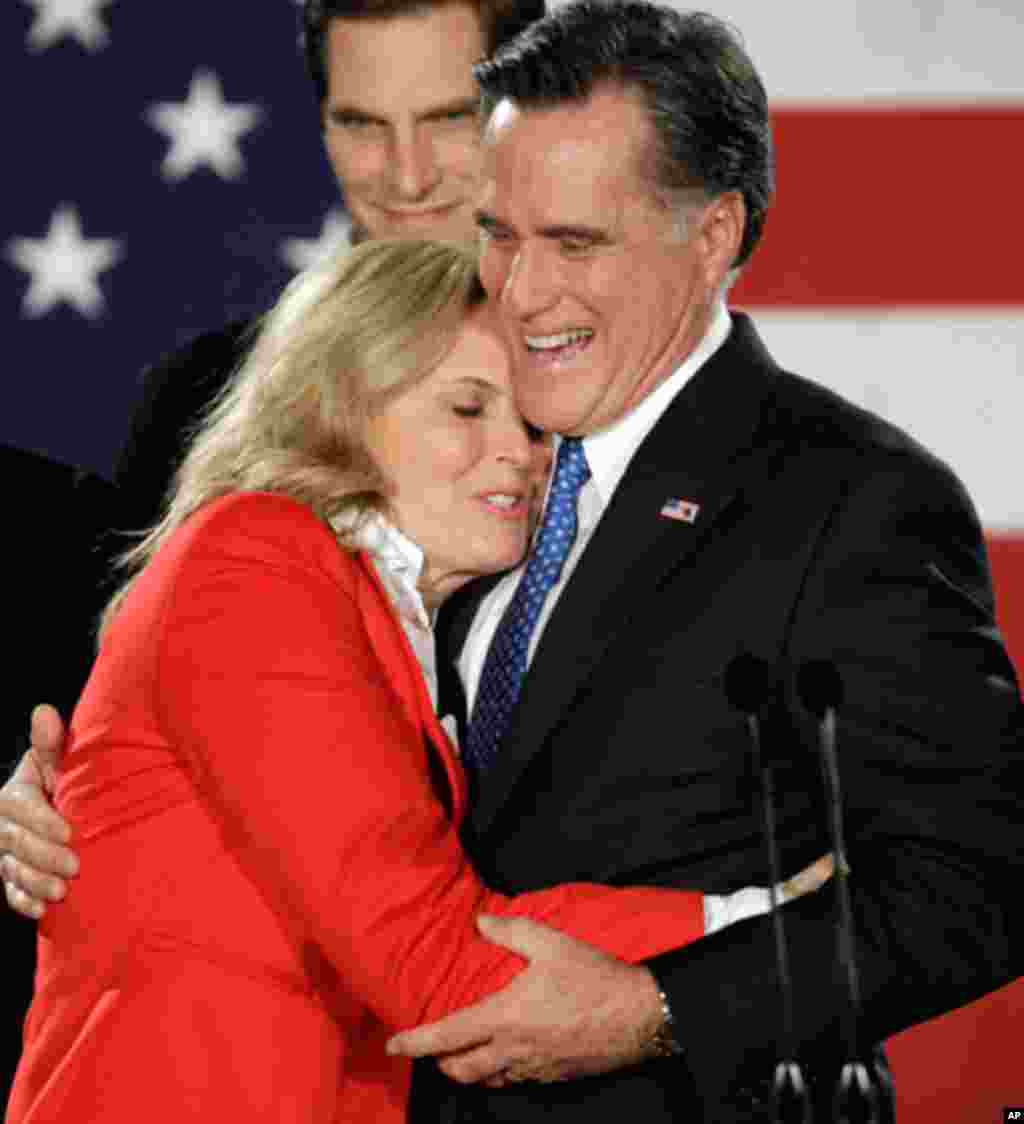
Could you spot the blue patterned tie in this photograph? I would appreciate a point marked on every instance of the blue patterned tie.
(505, 665)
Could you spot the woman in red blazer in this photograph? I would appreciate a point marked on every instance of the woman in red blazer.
(273, 879)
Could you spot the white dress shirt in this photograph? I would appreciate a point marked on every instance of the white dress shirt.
(399, 564)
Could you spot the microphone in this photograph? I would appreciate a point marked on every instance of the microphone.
(864, 1093)
(750, 683)
(753, 688)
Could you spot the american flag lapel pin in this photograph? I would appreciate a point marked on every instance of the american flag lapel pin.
(686, 511)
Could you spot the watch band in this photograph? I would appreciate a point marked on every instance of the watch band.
(663, 1042)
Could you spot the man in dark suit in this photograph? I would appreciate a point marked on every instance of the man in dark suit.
(711, 504)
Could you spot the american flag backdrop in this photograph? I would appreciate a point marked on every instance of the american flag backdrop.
(165, 175)
(891, 265)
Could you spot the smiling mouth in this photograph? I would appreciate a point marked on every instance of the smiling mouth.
(506, 503)
(559, 345)
(422, 212)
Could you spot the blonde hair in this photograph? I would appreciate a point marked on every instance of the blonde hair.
(344, 339)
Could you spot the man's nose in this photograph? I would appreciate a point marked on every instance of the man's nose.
(531, 284)
(416, 172)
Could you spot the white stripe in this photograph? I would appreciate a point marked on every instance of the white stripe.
(951, 378)
(948, 50)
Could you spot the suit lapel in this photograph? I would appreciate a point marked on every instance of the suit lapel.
(695, 454)
(453, 623)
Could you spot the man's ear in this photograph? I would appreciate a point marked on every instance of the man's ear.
(721, 234)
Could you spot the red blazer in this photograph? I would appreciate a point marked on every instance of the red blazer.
(270, 883)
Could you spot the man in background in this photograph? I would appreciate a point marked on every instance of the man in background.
(399, 111)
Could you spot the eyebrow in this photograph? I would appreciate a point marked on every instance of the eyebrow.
(459, 105)
(576, 232)
(336, 112)
(444, 109)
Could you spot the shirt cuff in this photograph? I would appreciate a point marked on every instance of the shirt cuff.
(722, 910)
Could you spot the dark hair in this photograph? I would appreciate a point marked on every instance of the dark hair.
(500, 20)
(705, 100)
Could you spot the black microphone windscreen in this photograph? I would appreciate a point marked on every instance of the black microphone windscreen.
(749, 683)
(819, 686)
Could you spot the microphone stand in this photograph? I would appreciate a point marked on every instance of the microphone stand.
(752, 687)
(862, 1093)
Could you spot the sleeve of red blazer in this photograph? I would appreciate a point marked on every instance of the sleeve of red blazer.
(269, 684)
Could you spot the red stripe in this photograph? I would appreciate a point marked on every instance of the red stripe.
(1006, 555)
(893, 206)
(963, 1067)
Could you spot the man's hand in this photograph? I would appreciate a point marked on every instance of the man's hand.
(33, 864)
(809, 879)
(572, 1012)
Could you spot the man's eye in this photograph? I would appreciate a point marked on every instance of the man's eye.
(468, 411)
(574, 246)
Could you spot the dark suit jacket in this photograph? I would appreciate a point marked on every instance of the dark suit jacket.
(53, 565)
(176, 393)
(54, 520)
(823, 533)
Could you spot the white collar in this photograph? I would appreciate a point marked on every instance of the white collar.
(610, 450)
(396, 558)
